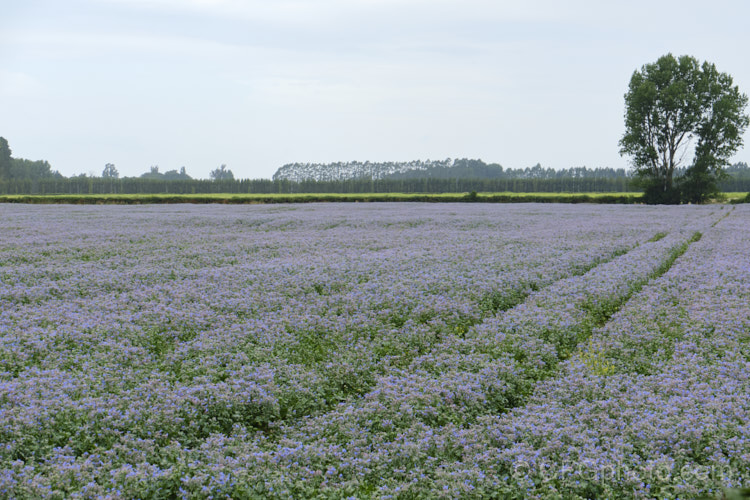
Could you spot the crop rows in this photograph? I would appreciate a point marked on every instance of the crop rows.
(332, 350)
(655, 405)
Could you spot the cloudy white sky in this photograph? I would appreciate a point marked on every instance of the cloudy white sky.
(255, 84)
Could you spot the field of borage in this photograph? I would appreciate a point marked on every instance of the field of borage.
(374, 351)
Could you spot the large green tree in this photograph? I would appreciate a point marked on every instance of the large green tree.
(678, 109)
(5, 159)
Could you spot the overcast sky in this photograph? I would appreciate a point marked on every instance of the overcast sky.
(256, 84)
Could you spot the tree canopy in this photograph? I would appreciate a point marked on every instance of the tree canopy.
(169, 175)
(110, 171)
(671, 105)
(222, 174)
(20, 169)
(5, 159)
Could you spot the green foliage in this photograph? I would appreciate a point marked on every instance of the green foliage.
(312, 347)
(471, 197)
(600, 310)
(5, 159)
(669, 103)
(493, 302)
(154, 174)
(453, 171)
(32, 170)
(222, 174)
(110, 171)
(654, 192)
(730, 494)
(657, 237)
(19, 169)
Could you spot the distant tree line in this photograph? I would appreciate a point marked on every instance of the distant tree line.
(476, 169)
(20, 169)
(738, 180)
(135, 185)
(19, 176)
(353, 170)
(460, 168)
